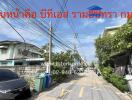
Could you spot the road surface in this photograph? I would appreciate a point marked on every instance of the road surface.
(85, 86)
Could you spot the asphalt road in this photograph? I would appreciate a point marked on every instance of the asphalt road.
(85, 86)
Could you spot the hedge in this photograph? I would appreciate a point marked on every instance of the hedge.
(117, 80)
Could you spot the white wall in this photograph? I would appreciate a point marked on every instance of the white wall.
(13, 52)
(22, 47)
(7, 55)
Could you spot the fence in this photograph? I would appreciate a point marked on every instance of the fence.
(25, 70)
(28, 72)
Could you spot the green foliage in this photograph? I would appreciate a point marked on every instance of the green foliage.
(103, 48)
(107, 72)
(92, 65)
(123, 38)
(115, 79)
(59, 69)
(60, 62)
(57, 74)
(64, 57)
(109, 45)
(119, 82)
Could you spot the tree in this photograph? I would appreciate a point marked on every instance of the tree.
(45, 51)
(103, 48)
(109, 45)
(92, 65)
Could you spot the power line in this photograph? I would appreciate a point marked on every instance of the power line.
(42, 26)
(64, 6)
(56, 35)
(70, 24)
(16, 32)
(32, 28)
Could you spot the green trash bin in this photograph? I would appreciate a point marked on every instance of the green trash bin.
(38, 83)
(44, 82)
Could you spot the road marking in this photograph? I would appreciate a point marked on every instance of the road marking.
(81, 92)
(64, 92)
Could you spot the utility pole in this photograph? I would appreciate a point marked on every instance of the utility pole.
(74, 44)
(50, 49)
(75, 37)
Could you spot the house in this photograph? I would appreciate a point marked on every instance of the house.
(19, 53)
(122, 61)
(110, 30)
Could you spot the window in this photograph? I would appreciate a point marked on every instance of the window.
(4, 63)
(19, 51)
(18, 63)
(34, 55)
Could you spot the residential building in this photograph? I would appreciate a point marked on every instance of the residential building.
(122, 61)
(110, 30)
(19, 53)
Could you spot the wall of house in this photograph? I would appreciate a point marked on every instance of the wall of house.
(14, 51)
(32, 52)
(7, 54)
(7, 63)
(112, 32)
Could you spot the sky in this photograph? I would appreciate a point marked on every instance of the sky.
(87, 29)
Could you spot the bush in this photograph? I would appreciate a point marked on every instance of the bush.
(57, 73)
(107, 71)
(117, 80)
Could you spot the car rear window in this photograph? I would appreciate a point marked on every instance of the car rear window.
(6, 75)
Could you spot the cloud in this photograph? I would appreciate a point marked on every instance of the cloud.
(86, 22)
(92, 22)
(118, 21)
(100, 20)
(88, 52)
(30, 34)
(86, 48)
(88, 39)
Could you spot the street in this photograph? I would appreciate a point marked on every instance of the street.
(85, 86)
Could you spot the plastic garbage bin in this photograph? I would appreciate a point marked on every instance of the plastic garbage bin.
(38, 83)
(44, 81)
(48, 80)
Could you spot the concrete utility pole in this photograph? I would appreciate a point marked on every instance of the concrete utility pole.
(75, 37)
(50, 48)
(74, 44)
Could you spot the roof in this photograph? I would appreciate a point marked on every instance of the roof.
(6, 42)
(112, 28)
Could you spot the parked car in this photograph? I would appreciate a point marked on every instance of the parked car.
(12, 86)
(80, 70)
